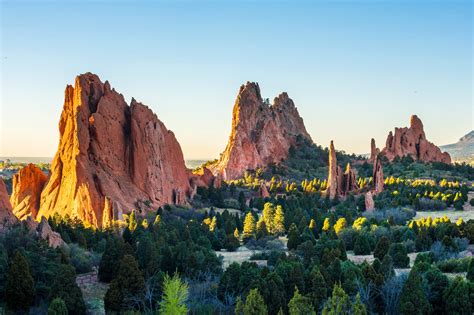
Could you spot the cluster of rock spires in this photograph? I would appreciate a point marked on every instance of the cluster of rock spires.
(261, 133)
(411, 141)
(114, 157)
(339, 183)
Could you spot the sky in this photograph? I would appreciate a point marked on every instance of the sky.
(355, 69)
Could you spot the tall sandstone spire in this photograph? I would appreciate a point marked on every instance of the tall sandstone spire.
(6, 216)
(261, 133)
(111, 158)
(411, 141)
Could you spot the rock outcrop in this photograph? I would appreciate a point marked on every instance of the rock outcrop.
(412, 142)
(111, 158)
(377, 176)
(374, 151)
(339, 183)
(6, 215)
(46, 233)
(369, 202)
(261, 133)
(26, 191)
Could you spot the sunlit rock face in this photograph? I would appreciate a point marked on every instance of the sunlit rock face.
(411, 141)
(112, 157)
(6, 216)
(26, 191)
(261, 133)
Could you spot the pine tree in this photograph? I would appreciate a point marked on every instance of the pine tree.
(382, 247)
(57, 307)
(20, 287)
(66, 288)
(470, 269)
(254, 304)
(262, 229)
(362, 245)
(300, 305)
(413, 299)
(338, 303)
(268, 216)
(129, 283)
(293, 237)
(175, 295)
(312, 225)
(132, 221)
(249, 227)
(358, 308)
(109, 264)
(457, 297)
(239, 306)
(279, 221)
(316, 288)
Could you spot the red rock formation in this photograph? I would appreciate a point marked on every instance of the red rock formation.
(261, 133)
(111, 157)
(377, 176)
(26, 191)
(369, 202)
(6, 215)
(263, 191)
(339, 183)
(412, 141)
(46, 233)
(374, 151)
(201, 177)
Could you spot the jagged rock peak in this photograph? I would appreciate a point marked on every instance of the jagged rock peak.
(412, 141)
(112, 157)
(261, 133)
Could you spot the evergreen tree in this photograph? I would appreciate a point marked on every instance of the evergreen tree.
(57, 307)
(457, 297)
(279, 221)
(362, 245)
(242, 201)
(249, 227)
(316, 288)
(231, 243)
(293, 237)
(382, 247)
(300, 305)
(413, 299)
(386, 269)
(262, 230)
(175, 295)
(20, 287)
(358, 308)
(128, 284)
(254, 304)
(470, 269)
(339, 303)
(66, 288)
(399, 255)
(239, 306)
(109, 264)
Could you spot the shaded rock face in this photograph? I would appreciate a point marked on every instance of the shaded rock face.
(339, 183)
(6, 215)
(111, 158)
(412, 141)
(26, 191)
(46, 233)
(261, 133)
(377, 176)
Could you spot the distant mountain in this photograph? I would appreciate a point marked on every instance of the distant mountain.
(463, 150)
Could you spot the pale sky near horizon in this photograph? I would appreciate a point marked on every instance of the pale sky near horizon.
(355, 69)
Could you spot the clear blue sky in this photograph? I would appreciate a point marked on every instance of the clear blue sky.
(355, 69)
